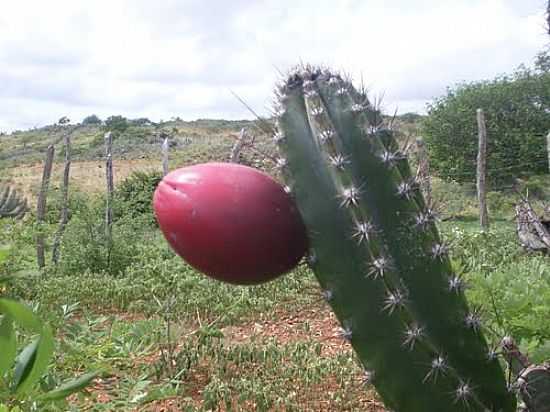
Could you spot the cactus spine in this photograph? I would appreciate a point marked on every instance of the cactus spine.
(11, 205)
(377, 253)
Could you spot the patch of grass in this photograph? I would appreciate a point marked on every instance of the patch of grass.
(510, 285)
(192, 292)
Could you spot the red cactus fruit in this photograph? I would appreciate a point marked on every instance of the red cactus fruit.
(231, 222)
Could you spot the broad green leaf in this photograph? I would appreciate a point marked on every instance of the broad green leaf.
(8, 345)
(21, 313)
(24, 363)
(38, 361)
(69, 388)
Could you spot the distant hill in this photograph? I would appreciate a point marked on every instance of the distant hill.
(206, 139)
(137, 147)
(136, 141)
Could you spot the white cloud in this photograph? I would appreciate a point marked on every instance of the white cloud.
(182, 57)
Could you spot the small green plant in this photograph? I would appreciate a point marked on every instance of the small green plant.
(19, 383)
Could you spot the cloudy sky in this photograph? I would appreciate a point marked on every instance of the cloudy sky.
(165, 58)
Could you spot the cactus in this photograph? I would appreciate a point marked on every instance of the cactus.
(377, 254)
(11, 204)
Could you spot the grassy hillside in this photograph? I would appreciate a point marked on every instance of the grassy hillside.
(203, 139)
(136, 148)
(135, 142)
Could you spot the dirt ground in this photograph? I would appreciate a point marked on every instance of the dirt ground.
(87, 176)
(284, 327)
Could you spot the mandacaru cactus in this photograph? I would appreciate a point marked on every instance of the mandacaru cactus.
(11, 204)
(376, 251)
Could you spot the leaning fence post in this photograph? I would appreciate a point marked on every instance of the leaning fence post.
(237, 147)
(482, 170)
(64, 215)
(41, 206)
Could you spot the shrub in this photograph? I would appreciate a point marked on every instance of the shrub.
(516, 111)
(86, 247)
(512, 287)
(133, 197)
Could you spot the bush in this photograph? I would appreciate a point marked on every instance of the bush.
(516, 112)
(512, 287)
(76, 200)
(86, 247)
(134, 196)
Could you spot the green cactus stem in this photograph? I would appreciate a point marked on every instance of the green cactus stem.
(377, 254)
(11, 204)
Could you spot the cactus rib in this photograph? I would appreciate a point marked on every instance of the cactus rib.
(11, 205)
(378, 254)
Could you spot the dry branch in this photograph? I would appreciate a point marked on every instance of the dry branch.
(532, 233)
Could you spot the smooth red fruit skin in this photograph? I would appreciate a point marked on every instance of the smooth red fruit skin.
(231, 222)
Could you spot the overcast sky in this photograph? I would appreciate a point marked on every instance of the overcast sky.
(165, 58)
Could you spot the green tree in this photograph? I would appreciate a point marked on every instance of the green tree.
(91, 120)
(142, 121)
(516, 109)
(63, 121)
(542, 61)
(116, 124)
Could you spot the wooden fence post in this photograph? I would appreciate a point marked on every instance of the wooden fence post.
(424, 170)
(41, 206)
(64, 215)
(482, 170)
(548, 148)
(110, 189)
(165, 148)
(237, 147)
